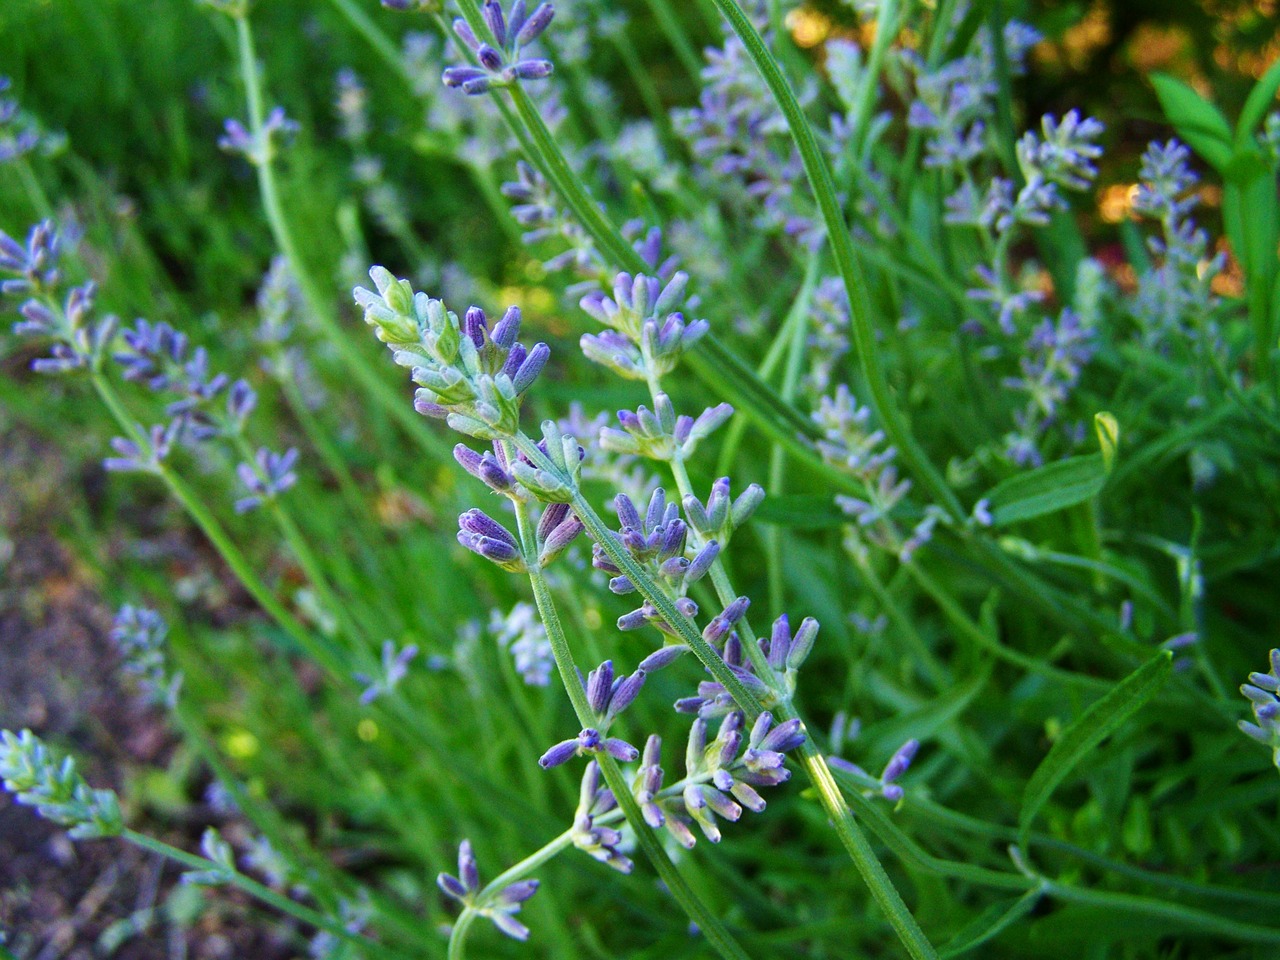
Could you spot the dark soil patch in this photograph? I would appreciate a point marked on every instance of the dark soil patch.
(59, 676)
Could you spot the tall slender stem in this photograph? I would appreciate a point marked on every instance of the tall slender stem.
(262, 893)
(689, 901)
(318, 305)
(819, 175)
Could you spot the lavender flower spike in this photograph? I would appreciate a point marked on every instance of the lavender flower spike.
(587, 743)
(36, 778)
(500, 906)
(599, 841)
(1263, 692)
(501, 65)
(139, 634)
(269, 475)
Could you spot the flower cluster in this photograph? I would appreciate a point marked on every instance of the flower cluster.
(721, 515)
(656, 542)
(522, 634)
(721, 775)
(595, 801)
(887, 785)
(955, 101)
(536, 210)
(264, 478)
(259, 148)
(395, 667)
(20, 134)
(1263, 691)
(647, 332)
(470, 375)
(158, 356)
(607, 697)
(741, 135)
(660, 434)
(77, 340)
(1174, 298)
(782, 652)
(501, 64)
(36, 778)
(139, 634)
(1049, 369)
(500, 906)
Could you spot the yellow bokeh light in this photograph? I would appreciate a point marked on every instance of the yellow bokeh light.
(808, 27)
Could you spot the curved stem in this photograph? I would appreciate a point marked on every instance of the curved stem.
(319, 306)
(262, 893)
(221, 540)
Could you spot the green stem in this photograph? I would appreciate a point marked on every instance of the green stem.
(815, 765)
(819, 176)
(690, 902)
(319, 306)
(864, 110)
(458, 936)
(263, 894)
(213, 530)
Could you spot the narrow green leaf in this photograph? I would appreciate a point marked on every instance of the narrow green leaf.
(1197, 120)
(801, 511)
(1047, 489)
(1096, 724)
(1261, 97)
(990, 923)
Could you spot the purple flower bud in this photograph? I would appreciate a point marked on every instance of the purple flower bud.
(599, 682)
(900, 761)
(467, 869)
(479, 523)
(802, 643)
(531, 367)
(662, 658)
(518, 892)
(492, 13)
(535, 24)
(624, 693)
(621, 750)
(562, 752)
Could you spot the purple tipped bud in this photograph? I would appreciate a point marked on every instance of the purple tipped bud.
(662, 658)
(562, 752)
(467, 869)
(599, 684)
(537, 22)
(900, 761)
(531, 367)
(452, 886)
(464, 76)
(533, 69)
(621, 750)
(625, 693)
(492, 12)
(479, 523)
(628, 516)
(802, 643)
(518, 892)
